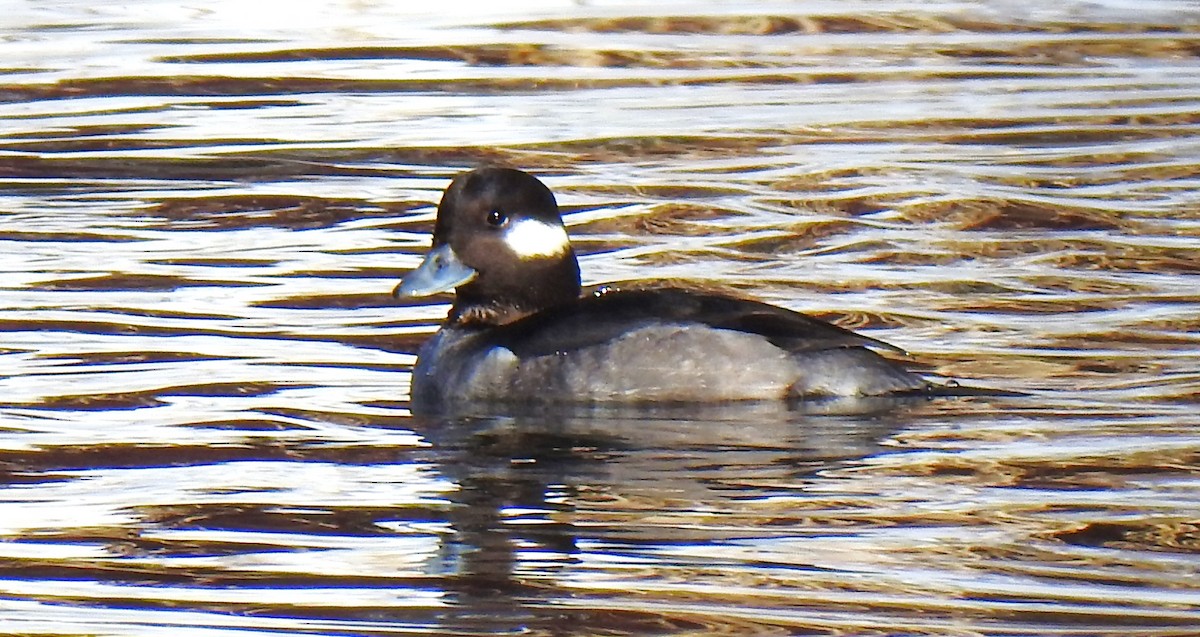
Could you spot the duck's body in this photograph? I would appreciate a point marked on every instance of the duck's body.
(520, 330)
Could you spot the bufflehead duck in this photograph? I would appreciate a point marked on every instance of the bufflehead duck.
(521, 330)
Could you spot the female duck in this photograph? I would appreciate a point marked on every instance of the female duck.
(519, 329)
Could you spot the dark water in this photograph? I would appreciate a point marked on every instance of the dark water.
(204, 425)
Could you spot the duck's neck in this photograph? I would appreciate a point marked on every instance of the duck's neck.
(494, 301)
(484, 315)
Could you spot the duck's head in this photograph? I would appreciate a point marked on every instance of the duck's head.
(500, 244)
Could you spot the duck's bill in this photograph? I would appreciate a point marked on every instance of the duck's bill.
(441, 271)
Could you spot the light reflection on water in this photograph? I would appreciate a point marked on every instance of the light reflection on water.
(204, 423)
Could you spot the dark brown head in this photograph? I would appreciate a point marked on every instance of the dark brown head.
(500, 244)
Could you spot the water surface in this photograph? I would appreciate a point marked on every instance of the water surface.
(204, 423)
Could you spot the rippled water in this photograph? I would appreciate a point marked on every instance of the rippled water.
(204, 381)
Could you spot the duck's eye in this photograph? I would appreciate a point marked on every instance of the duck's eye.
(496, 218)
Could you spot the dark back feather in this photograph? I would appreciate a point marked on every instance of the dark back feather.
(597, 319)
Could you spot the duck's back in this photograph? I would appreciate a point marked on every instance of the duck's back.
(657, 345)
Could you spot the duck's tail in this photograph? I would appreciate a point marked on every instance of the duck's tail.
(952, 388)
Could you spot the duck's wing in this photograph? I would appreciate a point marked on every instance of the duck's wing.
(601, 318)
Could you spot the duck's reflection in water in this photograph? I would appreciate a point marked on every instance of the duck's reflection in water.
(537, 486)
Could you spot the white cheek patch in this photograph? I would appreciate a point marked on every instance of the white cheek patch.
(533, 239)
